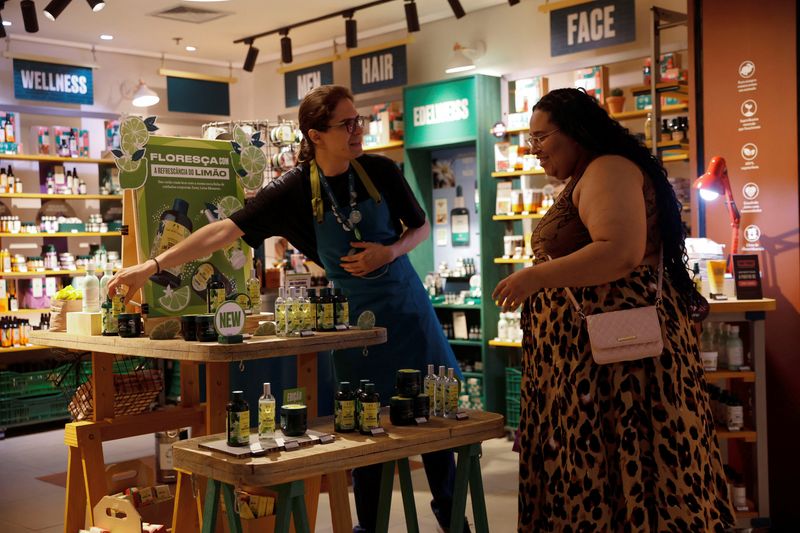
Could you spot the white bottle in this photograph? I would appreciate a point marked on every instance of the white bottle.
(91, 291)
(266, 414)
(441, 381)
(107, 275)
(734, 349)
(451, 390)
(430, 389)
(502, 328)
(280, 313)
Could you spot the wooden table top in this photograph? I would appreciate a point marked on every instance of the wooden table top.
(741, 306)
(212, 352)
(348, 450)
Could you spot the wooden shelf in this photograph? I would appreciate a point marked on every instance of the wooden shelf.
(517, 217)
(42, 273)
(465, 342)
(750, 513)
(747, 435)
(516, 173)
(26, 311)
(642, 113)
(677, 157)
(669, 145)
(53, 158)
(512, 261)
(665, 88)
(517, 131)
(742, 306)
(61, 234)
(747, 376)
(475, 307)
(63, 196)
(505, 344)
(30, 348)
(391, 145)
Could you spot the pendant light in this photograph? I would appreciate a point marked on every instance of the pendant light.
(286, 47)
(55, 8)
(458, 11)
(144, 96)
(350, 31)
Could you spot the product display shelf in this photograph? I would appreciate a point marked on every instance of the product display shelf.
(747, 435)
(670, 89)
(512, 260)
(457, 307)
(517, 173)
(531, 216)
(504, 344)
(29, 348)
(669, 145)
(42, 273)
(642, 113)
(42, 196)
(672, 158)
(725, 375)
(23, 311)
(54, 159)
(472, 374)
(60, 234)
(465, 342)
(391, 145)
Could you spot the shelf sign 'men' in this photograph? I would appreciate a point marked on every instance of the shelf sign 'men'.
(380, 69)
(298, 83)
(592, 25)
(34, 80)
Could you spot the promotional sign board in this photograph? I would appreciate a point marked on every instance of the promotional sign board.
(592, 25)
(206, 97)
(380, 69)
(440, 113)
(181, 185)
(50, 82)
(297, 83)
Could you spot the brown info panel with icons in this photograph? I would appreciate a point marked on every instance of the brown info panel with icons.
(749, 53)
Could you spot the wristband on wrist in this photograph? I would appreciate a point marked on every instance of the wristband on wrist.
(158, 267)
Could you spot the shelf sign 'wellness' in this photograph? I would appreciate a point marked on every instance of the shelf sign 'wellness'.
(34, 80)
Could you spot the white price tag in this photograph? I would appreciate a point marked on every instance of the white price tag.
(37, 286)
(50, 286)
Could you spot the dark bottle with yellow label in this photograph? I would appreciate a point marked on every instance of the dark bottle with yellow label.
(215, 294)
(345, 409)
(370, 415)
(326, 315)
(341, 308)
(174, 227)
(237, 423)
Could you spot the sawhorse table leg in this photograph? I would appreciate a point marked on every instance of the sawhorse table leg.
(385, 497)
(212, 506)
(468, 474)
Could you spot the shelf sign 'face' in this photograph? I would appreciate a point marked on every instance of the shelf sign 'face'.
(592, 25)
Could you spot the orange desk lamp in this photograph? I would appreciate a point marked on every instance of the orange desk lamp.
(711, 185)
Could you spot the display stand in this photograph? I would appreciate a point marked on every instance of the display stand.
(86, 483)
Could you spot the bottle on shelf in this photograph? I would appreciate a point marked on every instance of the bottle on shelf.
(91, 290)
(280, 313)
(266, 413)
(648, 127)
(370, 403)
(325, 311)
(429, 384)
(441, 392)
(254, 292)
(666, 133)
(215, 293)
(341, 308)
(734, 348)
(3, 180)
(344, 409)
(10, 180)
(174, 226)
(107, 275)
(237, 422)
(313, 302)
(306, 313)
(451, 390)
(295, 307)
(708, 353)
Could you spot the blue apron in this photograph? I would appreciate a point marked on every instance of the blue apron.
(394, 293)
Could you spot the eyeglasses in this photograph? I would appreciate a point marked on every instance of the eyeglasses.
(350, 124)
(535, 141)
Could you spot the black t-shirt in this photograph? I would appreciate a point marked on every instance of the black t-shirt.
(283, 207)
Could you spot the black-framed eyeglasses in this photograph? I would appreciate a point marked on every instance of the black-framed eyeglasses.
(535, 141)
(350, 124)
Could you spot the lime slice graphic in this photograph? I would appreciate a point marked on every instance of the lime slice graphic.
(242, 299)
(175, 300)
(228, 206)
(253, 160)
(366, 320)
(267, 328)
(166, 330)
(241, 137)
(126, 164)
(128, 144)
(135, 129)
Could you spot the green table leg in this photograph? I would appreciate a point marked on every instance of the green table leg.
(211, 506)
(234, 522)
(476, 490)
(407, 490)
(290, 499)
(299, 507)
(385, 497)
(468, 475)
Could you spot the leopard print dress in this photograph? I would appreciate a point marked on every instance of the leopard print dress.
(619, 447)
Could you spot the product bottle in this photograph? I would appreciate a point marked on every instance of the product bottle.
(648, 127)
(370, 416)
(107, 275)
(502, 327)
(325, 311)
(298, 312)
(233, 251)
(10, 185)
(306, 313)
(313, 302)
(344, 409)
(215, 293)
(439, 401)
(721, 342)
(266, 414)
(734, 348)
(280, 313)
(3, 180)
(666, 134)
(290, 316)
(237, 423)
(254, 292)
(734, 414)
(13, 304)
(361, 386)
(109, 319)
(341, 308)
(15, 332)
(459, 220)
(91, 290)
(173, 228)
(429, 384)
(451, 390)
(709, 356)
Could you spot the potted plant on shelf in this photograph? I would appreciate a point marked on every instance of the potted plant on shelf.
(615, 101)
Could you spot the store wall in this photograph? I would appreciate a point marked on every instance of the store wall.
(733, 35)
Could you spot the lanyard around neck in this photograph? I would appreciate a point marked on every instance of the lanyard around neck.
(316, 193)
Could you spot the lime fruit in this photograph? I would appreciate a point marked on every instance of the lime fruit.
(253, 161)
(228, 206)
(265, 329)
(175, 300)
(241, 137)
(366, 320)
(136, 130)
(166, 330)
(133, 174)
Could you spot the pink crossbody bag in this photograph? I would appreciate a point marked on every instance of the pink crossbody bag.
(626, 335)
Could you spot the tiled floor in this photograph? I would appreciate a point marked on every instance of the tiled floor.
(28, 505)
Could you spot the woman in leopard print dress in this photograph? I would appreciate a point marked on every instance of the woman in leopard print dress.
(624, 446)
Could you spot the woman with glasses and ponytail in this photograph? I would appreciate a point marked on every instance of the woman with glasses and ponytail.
(355, 215)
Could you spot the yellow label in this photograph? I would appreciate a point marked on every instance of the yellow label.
(254, 292)
(325, 316)
(280, 319)
(451, 390)
(266, 417)
(430, 390)
(171, 234)
(239, 427)
(343, 313)
(440, 395)
(117, 305)
(216, 298)
(370, 415)
(345, 414)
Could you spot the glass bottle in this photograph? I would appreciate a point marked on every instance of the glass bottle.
(648, 127)
(291, 324)
(666, 134)
(734, 348)
(325, 311)
(280, 313)
(215, 293)
(451, 390)
(344, 409)
(370, 417)
(306, 317)
(439, 400)
(174, 227)
(429, 384)
(341, 308)
(237, 422)
(361, 386)
(254, 292)
(266, 414)
(107, 275)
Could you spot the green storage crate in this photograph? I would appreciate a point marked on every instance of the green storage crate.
(35, 383)
(513, 389)
(20, 411)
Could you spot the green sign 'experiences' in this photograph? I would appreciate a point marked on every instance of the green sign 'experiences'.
(440, 113)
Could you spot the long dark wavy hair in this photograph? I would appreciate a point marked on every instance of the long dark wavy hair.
(581, 117)
(315, 113)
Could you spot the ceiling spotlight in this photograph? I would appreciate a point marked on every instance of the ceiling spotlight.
(286, 47)
(250, 60)
(55, 7)
(96, 5)
(513, 2)
(412, 21)
(2, 26)
(107, 37)
(29, 18)
(144, 96)
(458, 11)
(191, 48)
(350, 31)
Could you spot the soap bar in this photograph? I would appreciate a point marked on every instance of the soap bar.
(80, 323)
